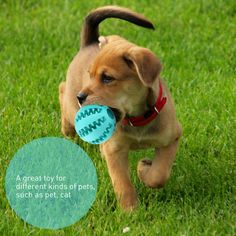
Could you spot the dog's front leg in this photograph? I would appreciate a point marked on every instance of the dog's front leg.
(116, 156)
(155, 173)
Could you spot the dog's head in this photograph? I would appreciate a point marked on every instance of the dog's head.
(121, 77)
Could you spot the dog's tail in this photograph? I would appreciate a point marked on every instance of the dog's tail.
(90, 32)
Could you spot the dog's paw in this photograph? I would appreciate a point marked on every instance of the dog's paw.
(129, 201)
(144, 166)
(151, 176)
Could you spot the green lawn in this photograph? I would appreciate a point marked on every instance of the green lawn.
(196, 42)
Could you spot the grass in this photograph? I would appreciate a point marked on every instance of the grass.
(196, 42)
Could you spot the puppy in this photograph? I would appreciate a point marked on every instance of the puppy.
(125, 77)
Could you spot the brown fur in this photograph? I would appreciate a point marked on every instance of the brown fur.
(136, 73)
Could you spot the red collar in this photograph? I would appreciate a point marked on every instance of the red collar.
(149, 115)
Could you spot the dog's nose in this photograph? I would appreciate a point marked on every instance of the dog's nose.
(82, 97)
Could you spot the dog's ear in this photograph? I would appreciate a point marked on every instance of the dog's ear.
(146, 64)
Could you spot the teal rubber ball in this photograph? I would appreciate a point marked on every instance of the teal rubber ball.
(95, 124)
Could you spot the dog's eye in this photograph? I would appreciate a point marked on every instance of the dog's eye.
(106, 79)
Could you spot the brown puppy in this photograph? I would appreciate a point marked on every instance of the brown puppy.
(126, 78)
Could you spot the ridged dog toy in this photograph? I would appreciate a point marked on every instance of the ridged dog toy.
(95, 124)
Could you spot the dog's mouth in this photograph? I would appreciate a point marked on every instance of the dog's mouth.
(117, 114)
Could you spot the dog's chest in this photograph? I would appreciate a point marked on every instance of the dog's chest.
(142, 137)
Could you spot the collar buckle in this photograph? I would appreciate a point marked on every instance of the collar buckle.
(148, 116)
(130, 123)
(156, 110)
